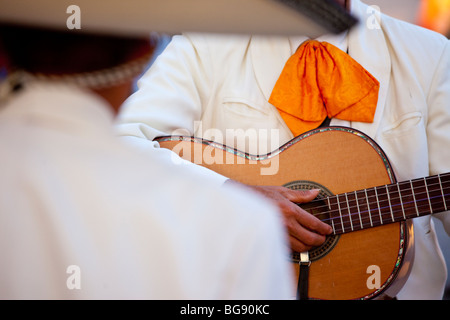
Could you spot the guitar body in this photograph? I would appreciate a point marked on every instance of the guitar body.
(365, 264)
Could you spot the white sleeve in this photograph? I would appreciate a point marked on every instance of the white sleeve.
(168, 101)
(438, 128)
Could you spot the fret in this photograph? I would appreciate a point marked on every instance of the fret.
(390, 204)
(335, 215)
(331, 218)
(401, 200)
(359, 210)
(340, 213)
(378, 204)
(349, 212)
(445, 182)
(363, 207)
(414, 197)
(442, 193)
(368, 207)
(395, 202)
(435, 192)
(355, 214)
(408, 200)
(384, 204)
(374, 211)
(423, 203)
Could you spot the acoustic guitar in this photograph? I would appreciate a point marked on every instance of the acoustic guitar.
(370, 252)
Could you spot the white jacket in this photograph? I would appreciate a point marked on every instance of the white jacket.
(226, 81)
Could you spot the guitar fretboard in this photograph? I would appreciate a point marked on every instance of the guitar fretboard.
(386, 204)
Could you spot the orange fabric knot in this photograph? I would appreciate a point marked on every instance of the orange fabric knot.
(321, 81)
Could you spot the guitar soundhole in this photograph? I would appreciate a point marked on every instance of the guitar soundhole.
(318, 208)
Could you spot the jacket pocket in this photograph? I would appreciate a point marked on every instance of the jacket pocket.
(404, 125)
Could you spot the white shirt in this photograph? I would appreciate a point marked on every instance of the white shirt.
(82, 216)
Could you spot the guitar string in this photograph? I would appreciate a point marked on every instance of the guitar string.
(371, 202)
(376, 214)
(393, 185)
(338, 229)
(376, 210)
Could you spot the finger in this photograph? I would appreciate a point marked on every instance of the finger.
(302, 239)
(298, 246)
(300, 196)
(311, 222)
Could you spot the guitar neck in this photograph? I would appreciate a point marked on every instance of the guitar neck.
(386, 204)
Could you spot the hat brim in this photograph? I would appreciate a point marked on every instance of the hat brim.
(140, 17)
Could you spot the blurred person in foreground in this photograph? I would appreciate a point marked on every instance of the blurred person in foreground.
(83, 216)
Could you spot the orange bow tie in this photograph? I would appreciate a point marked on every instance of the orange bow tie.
(321, 81)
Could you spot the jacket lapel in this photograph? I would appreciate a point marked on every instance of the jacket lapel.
(269, 56)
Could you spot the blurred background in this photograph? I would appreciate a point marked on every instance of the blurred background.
(431, 14)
